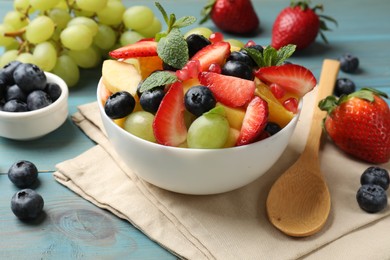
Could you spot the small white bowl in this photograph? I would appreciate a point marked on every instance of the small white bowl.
(196, 171)
(34, 124)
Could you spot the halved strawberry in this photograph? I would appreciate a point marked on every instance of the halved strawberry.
(138, 49)
(229, 90)
(255, 120)
(169, 125)
(213, 53)
(293, 78)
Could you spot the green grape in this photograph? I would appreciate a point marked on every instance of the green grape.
(105, 37)
(15, 19)
(4, 40)
(23, 5)
(67, 69)
(76, 37)
(138, 17)
(43, 5)
(60, 17)
(140, 123)
(91, 5)
(150, 31)
(235, 42)
(14, 45)
(7, 57)
(45, 55)
(130, 37)
(209, 131)
(40, 29)
(206, 32)
(88, 58)
(90, 23)
(112, 13)
(26, 57)
(82, 13)
(63, 5)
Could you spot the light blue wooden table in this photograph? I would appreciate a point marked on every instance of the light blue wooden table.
(73, 228)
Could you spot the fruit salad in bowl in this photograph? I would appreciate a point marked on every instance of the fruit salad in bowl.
(197, 114)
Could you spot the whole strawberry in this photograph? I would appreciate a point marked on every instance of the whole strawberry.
(359, 124)
(299, 24)
(232, 16)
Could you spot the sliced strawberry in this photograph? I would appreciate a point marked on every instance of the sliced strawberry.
(213, 53)
(255, 120)
(169, 125)
(229, 90)
(295, 79)
(138, 49)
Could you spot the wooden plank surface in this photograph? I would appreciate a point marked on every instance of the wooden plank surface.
(73, 228)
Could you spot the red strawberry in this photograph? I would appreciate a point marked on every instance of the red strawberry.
(229, 90)
(138, 49)
(298, 24)
(230, 16)
(293, 78)
(359, 124)
(212, 54)
(169, 125)
(255, 120)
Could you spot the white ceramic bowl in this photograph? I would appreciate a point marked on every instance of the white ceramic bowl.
(34, 124)
(196, 171)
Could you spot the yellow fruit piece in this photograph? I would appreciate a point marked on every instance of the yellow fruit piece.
(147, 65)
(187, 84)
(232, 137)
(120, 122)
(120, 76)
(277, 113)
(235, 116)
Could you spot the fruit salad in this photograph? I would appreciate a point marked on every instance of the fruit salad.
(200, 91)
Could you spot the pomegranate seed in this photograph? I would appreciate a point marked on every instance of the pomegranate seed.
(291, 104)
(250, 43)
(216, 37)
(193, 68)
(277, 90)
(182, 74)
(214, 67)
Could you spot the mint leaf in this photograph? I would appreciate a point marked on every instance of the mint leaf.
(184, 21)
(270, 56)
(156, 79)
(173, 49)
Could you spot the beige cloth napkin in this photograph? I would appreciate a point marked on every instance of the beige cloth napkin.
(232, 225)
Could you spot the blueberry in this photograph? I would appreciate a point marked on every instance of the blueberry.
(14, 92)
(272, 128)
(23, 173)
(3, 87)
(6, 73)
(150, 100)
(195, 43)
(38, 99)
(199, 99)
(119, 105)
(237, 69)
(376, 175)
(344, 86)
(27, 204)
(349, 63)
(166, 66)
(53, 90)
(15, 105)
(29, 77)
(241, 56)
(371, 198)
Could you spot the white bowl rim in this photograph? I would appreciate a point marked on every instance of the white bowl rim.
(64, 95)
(268, 139)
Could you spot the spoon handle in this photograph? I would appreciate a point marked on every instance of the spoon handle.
(329, 72)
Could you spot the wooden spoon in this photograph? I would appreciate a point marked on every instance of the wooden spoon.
(298, 203)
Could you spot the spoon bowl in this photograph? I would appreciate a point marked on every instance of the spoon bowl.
(298, 203)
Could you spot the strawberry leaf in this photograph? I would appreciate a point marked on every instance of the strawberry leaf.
(328, 104)
(376, 92)
(156, 79)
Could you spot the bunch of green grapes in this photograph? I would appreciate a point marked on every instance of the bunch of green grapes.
(62, 36)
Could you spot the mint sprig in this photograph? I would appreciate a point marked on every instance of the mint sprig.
(173, 49)
(156, 79)
(270, 56)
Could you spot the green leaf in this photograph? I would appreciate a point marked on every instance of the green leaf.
(363, 94)
(284, 53)
(173, 49)
(328, 104)
(156, 79)
(376, 92)
(270, 56)
(162, 11)
(184, 21)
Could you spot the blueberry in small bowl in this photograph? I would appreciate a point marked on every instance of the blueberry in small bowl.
(33, 102)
